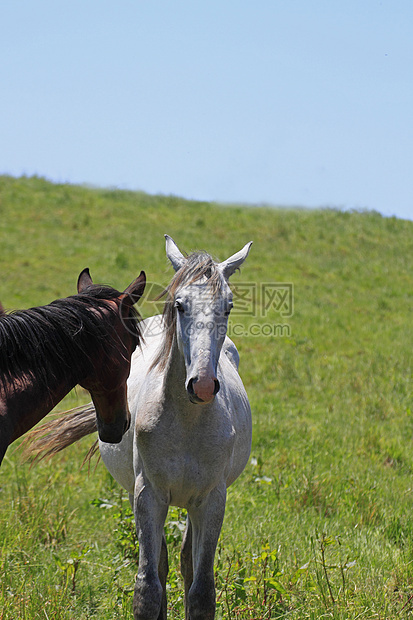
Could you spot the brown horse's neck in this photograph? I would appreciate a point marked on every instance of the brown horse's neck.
(25, 404)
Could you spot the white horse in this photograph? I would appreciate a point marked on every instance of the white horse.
(190, 433)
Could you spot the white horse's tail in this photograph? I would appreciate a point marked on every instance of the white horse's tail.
(52, 437)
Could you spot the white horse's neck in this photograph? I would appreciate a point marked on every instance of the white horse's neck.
(174, 376)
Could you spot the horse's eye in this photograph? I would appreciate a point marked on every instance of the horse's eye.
(179, 306)
(228, 309)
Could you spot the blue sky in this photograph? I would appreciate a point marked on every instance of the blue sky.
(285, 102)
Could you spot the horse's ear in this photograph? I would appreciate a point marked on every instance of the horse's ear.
(84, 280)
(134, 292)
(174, 253)
(229, 266)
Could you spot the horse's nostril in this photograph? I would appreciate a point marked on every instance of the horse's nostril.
(190, 387)
(216, 388)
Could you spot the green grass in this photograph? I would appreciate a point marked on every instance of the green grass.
(319, 525)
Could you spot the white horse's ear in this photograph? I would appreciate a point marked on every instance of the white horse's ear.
(229, 266)
(174, 254)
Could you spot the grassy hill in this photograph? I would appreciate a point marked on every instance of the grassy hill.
(319, 525)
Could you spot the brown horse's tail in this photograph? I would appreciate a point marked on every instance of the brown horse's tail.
(52, 437)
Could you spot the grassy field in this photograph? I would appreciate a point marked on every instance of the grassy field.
(320, 524)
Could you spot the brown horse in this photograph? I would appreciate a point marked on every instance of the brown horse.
(86, 339)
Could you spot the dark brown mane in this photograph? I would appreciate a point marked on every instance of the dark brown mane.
(47, 340)
(198, 266)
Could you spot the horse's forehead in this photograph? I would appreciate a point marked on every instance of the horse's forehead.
(202, 291)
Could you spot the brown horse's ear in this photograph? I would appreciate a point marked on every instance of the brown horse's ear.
(2, 310)
(84, 280)
(134, 292)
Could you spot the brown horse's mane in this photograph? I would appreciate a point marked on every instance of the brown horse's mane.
(198, 266)
(46, 341)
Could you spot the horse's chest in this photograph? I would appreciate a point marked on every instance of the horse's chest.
(186, 461)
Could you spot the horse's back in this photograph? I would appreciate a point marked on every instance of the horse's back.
(230, 350)
(234, 398)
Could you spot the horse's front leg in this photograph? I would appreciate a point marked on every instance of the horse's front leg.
(206, 523)
(150, 508)
(187, 569)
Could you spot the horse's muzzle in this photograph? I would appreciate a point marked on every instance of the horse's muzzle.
(113, 433)
(207, 396)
